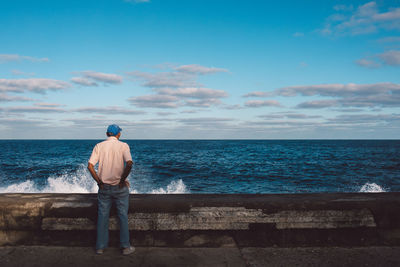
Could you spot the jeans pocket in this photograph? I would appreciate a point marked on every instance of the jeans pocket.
(124, 190)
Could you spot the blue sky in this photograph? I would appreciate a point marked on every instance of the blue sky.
(200, 69)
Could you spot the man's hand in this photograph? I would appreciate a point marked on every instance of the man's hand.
(100, 185)
(122, 184)
(95, 176)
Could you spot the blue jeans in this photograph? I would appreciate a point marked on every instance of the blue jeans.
(105, 197)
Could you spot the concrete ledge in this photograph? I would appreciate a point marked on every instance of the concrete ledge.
(359, 219)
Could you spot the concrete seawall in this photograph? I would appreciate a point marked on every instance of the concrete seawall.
(286, 220)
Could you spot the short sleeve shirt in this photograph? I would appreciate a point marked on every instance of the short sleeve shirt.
(111, 155)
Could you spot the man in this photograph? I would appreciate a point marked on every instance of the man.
(115, 163)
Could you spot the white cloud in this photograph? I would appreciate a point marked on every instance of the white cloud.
(282, 125)
(109, 110)
(165, 113)
(390, 39)
(289, 115)
(35, 109)
(343, 7)
(177, 88)
(165, 79)
(155, 101)
(303, 64)
(103, 77)
(367, 63)
(367, 18)
(57, 108)
(190, 111)
(4, 58)
(182, 76)
(8, 98)
(339, 90)
(192, 92)
(198, 69)
(209, 123)
(301, 116)
(204, 103)
(36, 85)
(391, 57)
(262, 103)
(341, 126)
(99, 124)
(272, 116)
(343, 95)
(83, 81)
(318, 104)
(298, 34)
(393, 14)
(20, 124)
(202, 120)
(258, 94)
(365, 119)
(232, 107)
(173, 98)
(49, 105)
(347, 95)
(89, 78)
(350, 110)
(137, 1)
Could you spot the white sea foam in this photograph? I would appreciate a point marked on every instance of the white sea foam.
(371, 188)
(24, 187)
(82, 182)
(175, 187)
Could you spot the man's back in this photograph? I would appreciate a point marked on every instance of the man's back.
(111, 155)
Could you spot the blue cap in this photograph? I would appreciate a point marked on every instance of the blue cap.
(113, 129)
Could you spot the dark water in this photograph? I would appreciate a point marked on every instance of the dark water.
(209, 166)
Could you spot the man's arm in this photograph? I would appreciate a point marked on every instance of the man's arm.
(94, 175)
(127, 170)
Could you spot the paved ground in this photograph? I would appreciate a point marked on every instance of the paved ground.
(153, 256)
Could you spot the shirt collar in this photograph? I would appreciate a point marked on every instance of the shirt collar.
(112, 138)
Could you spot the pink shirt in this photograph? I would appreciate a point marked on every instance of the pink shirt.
(111, 155)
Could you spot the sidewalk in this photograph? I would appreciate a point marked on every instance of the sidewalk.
(42, 256)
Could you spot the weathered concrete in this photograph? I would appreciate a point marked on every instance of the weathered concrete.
(155, 256)
(359, 219)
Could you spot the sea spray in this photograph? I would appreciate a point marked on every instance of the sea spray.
(75, 182)
(175, 187)
(371, 188)
(80, 181)
(24, 187)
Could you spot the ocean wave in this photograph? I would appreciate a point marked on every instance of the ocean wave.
(82, 182)
(175, 187)
(371, 188)
(24, 187)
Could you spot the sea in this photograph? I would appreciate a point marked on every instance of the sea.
(208, 166)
